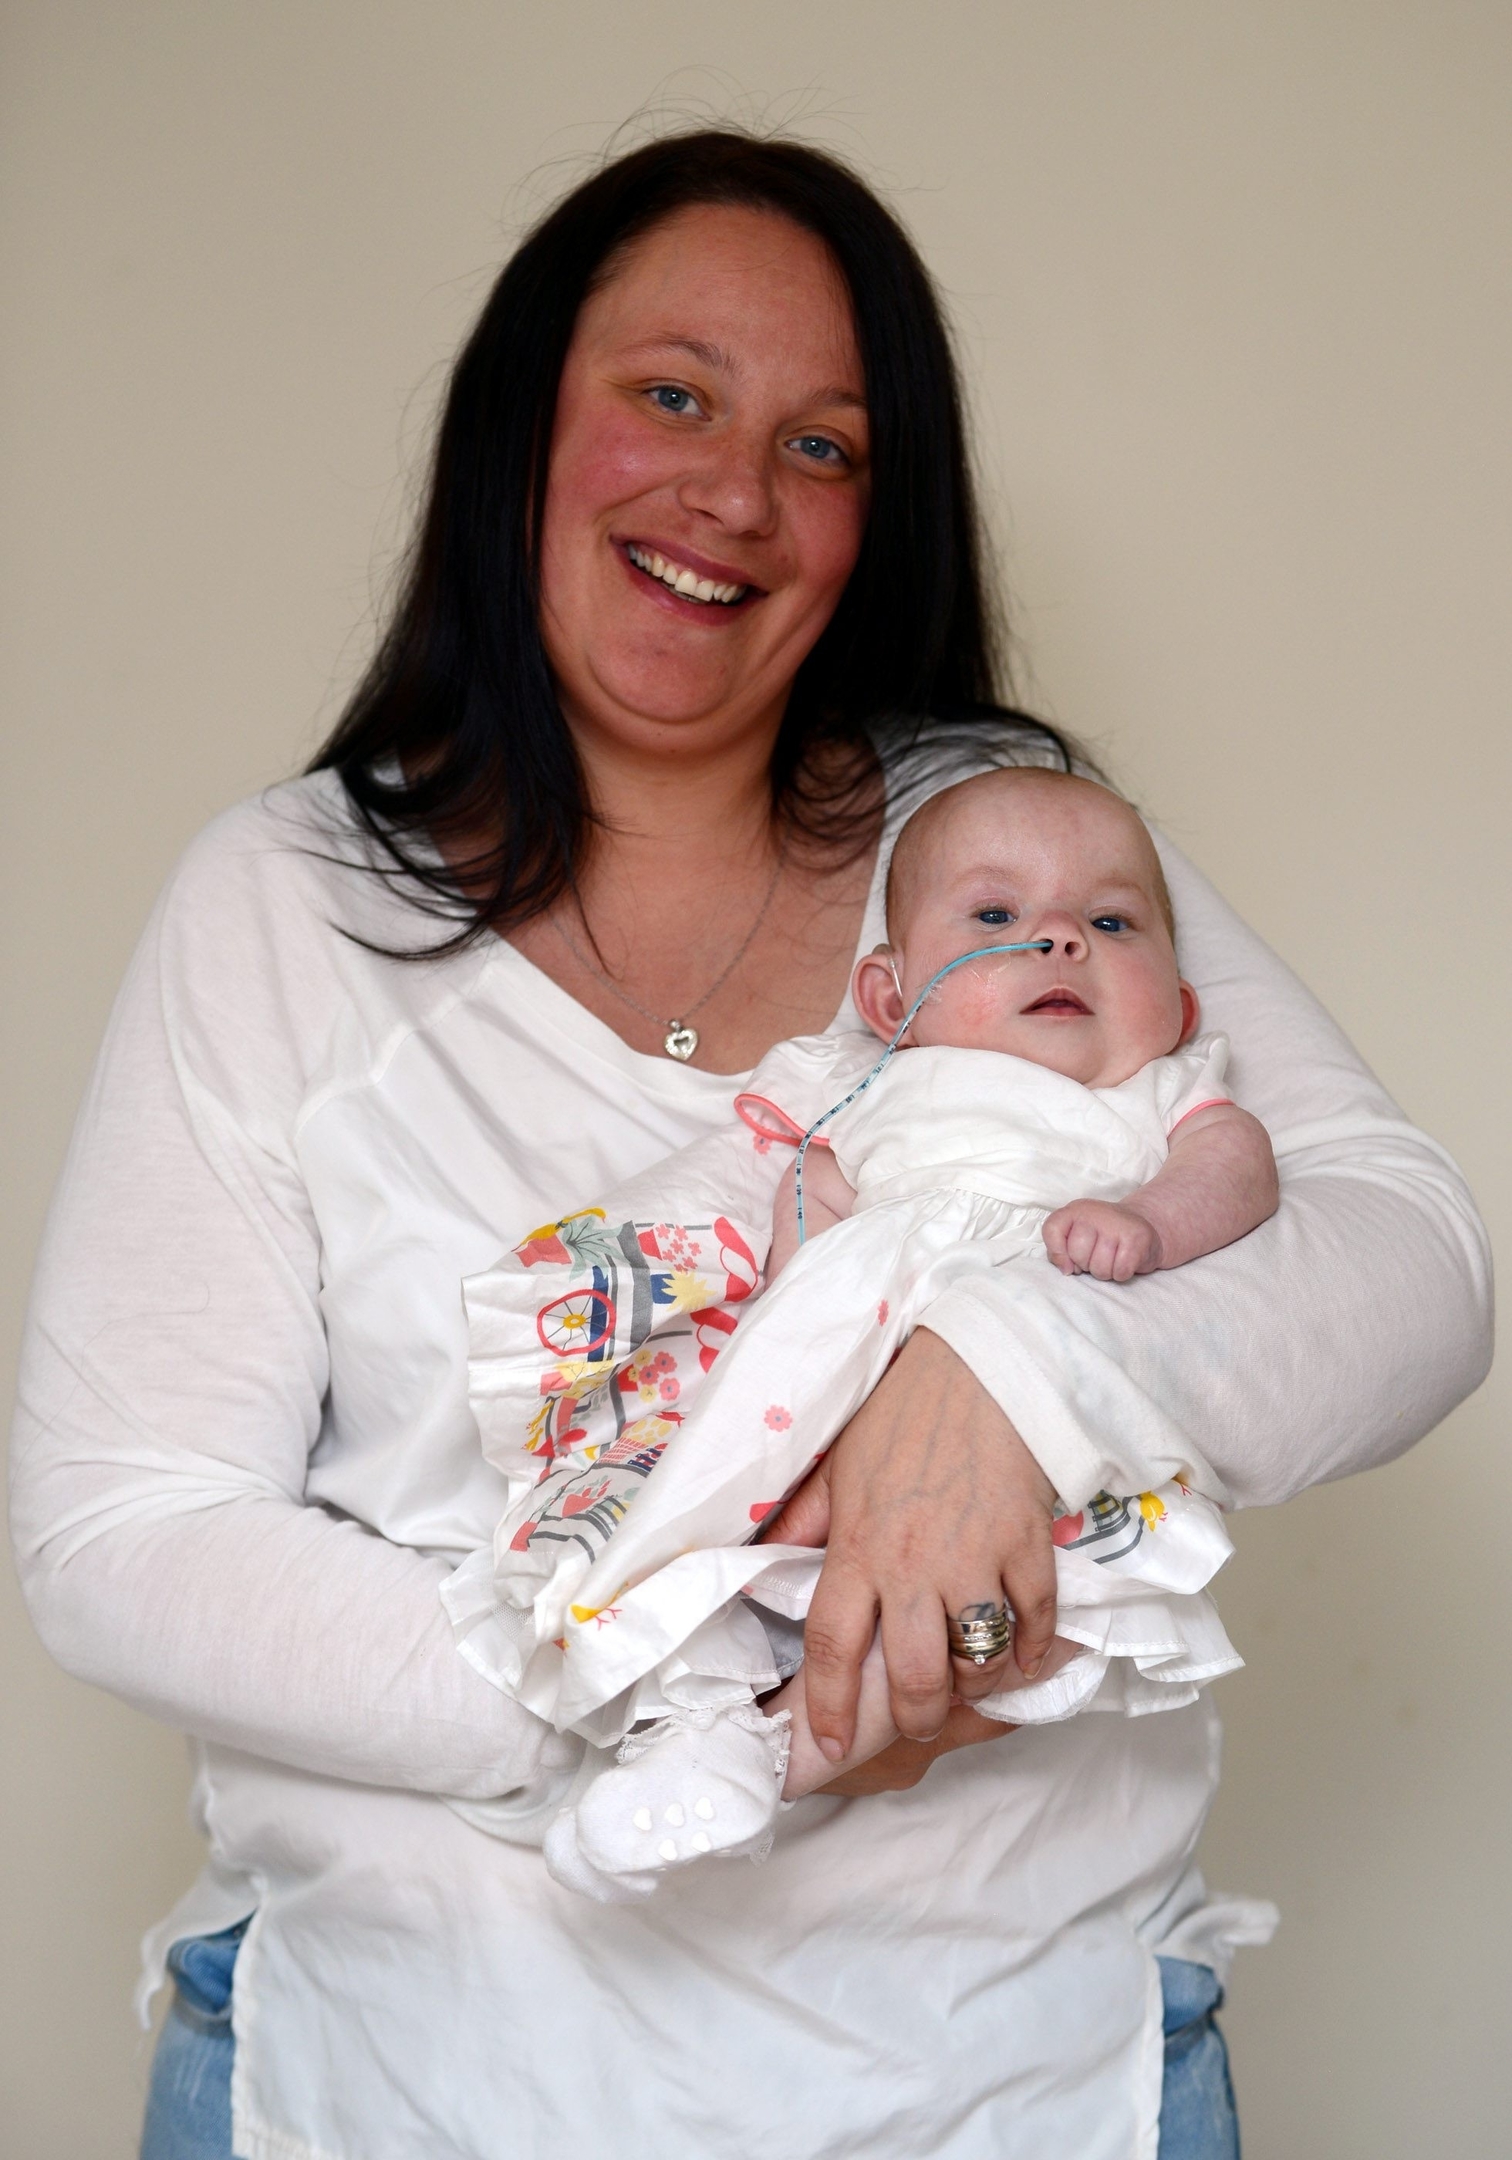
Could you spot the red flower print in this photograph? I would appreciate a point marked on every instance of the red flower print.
(664, 1362)
(578, 1503)
(882, 1311)
(670, 1390)
(778, 1418)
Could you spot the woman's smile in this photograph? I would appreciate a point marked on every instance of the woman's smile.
(690, 577)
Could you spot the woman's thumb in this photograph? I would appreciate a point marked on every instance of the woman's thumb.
(804, 1518)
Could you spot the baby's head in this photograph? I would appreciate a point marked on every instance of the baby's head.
(1021, 854)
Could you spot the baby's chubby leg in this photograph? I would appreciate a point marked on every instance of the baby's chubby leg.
(807, 1768)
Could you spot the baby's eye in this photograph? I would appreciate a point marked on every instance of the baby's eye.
(672, 398)
(1111, 924)
(994, 917)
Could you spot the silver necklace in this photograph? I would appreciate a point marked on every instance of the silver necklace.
(680, 1040)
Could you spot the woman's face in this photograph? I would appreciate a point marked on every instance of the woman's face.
(710, 432)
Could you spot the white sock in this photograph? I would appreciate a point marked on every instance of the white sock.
(569, 1866)
(692, 1785)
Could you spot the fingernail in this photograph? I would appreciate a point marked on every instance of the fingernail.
(1029, 1671)
(831, 1750)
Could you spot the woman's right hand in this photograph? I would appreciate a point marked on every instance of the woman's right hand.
(929, 1502)
(901, 1766)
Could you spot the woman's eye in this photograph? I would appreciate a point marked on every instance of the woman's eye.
(819, 448)
(994, 917)
(671, 398)
(1112, 924)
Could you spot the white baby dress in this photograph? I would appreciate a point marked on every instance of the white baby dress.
(650, 1409)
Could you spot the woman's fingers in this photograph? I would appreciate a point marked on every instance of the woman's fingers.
(972, 1681)
(838, 1632)
(933, 1500)
(804, 1518)
(920, 1678)
(1029, 1579)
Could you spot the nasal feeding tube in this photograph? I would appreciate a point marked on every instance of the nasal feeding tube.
(982, 952)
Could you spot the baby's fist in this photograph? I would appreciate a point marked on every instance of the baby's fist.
(1102, 1238)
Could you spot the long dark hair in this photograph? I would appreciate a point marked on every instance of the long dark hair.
(455, 730)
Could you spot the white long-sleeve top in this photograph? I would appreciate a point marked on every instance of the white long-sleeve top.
(244, 1464)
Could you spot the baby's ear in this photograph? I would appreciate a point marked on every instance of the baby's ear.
(874, 989)
(1191, 1014)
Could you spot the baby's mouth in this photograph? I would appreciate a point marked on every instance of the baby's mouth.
(1060, 1000)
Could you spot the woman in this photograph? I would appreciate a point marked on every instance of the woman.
(695, 602)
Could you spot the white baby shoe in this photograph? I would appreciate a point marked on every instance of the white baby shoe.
(696, 1783)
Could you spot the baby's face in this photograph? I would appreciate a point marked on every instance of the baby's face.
(1012, 856)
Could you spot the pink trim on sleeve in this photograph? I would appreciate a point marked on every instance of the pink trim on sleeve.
(769, 1122)
(1213, 1102)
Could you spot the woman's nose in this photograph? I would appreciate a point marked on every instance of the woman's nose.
(734, 483)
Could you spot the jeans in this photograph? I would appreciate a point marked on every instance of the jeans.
(189, 2093)
(1198, 2120)
(189, 2098)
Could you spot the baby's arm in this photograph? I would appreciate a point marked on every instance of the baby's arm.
(1218, 1183)
(828, 1198)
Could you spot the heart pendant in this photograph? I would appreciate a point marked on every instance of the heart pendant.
(680, 1041)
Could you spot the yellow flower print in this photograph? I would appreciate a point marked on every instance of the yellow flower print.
(687, 1292)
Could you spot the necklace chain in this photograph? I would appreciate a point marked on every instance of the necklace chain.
(680, 1040)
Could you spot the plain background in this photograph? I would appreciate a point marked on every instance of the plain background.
(1231, 283)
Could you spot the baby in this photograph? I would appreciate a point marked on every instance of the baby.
(622, 1582)
(1018, 856)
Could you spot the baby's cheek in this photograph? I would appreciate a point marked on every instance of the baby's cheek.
(1149, 1015)
(980, 1002)
(969, 1013)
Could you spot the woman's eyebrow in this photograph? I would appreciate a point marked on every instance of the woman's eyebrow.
(714, 356)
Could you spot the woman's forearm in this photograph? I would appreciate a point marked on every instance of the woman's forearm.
(1326, 1342)
(278, 1630)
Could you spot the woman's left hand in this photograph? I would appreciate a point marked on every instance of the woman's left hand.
(930, 1504)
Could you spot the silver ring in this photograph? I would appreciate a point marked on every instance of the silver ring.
(982, 1633)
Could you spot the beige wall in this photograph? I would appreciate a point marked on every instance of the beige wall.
(1231, 281)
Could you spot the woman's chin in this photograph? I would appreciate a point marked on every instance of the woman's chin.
(638, 706)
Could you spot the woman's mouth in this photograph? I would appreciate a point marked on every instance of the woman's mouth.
(684, 580)
(1062, 1001)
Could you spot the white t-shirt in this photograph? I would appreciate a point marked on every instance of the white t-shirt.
(244, 1465)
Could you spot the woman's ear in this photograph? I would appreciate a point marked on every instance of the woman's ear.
(874, 989)
(1191, 1014)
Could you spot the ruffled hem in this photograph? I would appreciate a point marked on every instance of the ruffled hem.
(1134, 1660)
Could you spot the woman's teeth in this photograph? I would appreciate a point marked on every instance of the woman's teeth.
(685, 582)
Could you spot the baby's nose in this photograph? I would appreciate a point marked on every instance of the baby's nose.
(1067, 938)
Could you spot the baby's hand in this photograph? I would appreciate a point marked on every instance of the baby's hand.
(1102, 1238)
